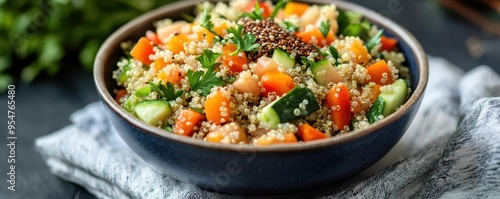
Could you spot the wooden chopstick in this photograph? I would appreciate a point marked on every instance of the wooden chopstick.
(475, 16)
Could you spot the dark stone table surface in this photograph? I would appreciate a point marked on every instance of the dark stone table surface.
(45, 105)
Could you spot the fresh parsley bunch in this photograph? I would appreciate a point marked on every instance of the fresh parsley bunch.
(39, 36)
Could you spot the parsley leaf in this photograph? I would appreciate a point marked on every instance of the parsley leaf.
(374, 40)
(236, 32)
(208, 59)
(324, 28)
(194, 78)
(244, 42)
(249, 44)
(203, 82)
(277, 7)
(166, 92)
(206, 21)
(256, 14)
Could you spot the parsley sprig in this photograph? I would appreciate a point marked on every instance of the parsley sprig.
(281, 4)
(167, 92)
(206, 21)
(256, 14)
(374, 40)
(244, 41)
(324, 28)
(208, 59)
(201, 81)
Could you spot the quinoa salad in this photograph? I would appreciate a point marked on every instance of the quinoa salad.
(258, 73)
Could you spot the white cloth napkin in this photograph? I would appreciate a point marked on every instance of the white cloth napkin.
(451, 150)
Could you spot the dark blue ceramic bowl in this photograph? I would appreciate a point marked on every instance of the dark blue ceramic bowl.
(245, 169)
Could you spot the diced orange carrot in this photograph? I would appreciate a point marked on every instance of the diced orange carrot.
(277, 82)
(219, 29)
(265, 7)
(290, 138)
(122, 92)
(245, 83)
(265, 64)
(356, 106)
(380, 73)
(296, 8)
(309, 133)
(231, 133)
(187, 121)
(159, 64)
(170, 73)
(339, 103)
(217, 107)
(142, 50)
(315, 34)
(266, 141)
(388, 43)
(360, 52)
(176, 44)
(153, 37)
(234, 63)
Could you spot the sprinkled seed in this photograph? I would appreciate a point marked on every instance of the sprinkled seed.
(271, 36)
(302, 106)
(296, 112)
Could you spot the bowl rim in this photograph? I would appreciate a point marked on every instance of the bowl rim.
(117, 37)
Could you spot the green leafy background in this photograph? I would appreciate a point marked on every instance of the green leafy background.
(37, 36)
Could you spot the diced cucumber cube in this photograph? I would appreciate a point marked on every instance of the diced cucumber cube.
(283, 58)
(324, 72)
(394, 97)
(296, 104)
(153, 112)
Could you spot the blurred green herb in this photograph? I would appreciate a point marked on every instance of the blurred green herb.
(306, 61)
(38, 36)
(206, 21)
(374, 40)
(334, 53)
(324, 28)
(290, 26)
(280, 5)
(199, 110)
(167, 91)
(351, 23)
(256, 14)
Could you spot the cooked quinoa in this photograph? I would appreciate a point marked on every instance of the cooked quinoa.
(210, 48)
